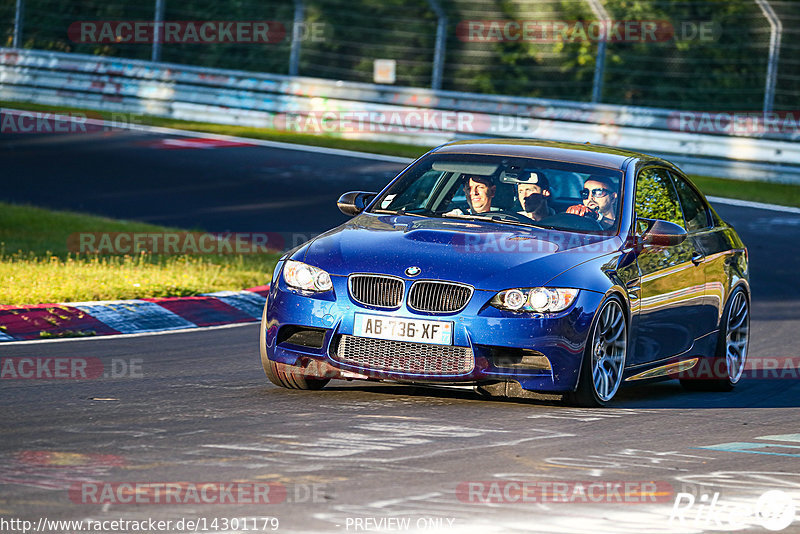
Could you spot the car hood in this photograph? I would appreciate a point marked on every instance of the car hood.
(485, 255)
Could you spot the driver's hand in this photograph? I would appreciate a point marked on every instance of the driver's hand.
(454, 213)
(578, 209)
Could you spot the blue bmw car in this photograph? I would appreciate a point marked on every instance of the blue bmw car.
(517, 266)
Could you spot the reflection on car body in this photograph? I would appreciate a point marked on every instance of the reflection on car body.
(408, 291)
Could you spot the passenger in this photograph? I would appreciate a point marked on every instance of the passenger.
(599, 201)
(533, 194)
(479, 191)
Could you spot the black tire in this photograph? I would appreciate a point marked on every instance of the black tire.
(286, 376)
(586, 394)
(719, 366)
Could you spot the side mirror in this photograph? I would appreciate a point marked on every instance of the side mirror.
(354, 202)
(662, 233)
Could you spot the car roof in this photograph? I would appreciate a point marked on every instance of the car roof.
(585, 154)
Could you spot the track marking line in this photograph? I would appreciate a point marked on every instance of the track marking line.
(232, 138)
(751, 204)
(126, 336)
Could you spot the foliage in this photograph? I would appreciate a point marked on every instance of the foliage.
(721, 69)
(656, 197)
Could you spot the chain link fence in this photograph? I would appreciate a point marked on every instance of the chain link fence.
(705, 55)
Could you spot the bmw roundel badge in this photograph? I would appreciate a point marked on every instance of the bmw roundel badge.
(413, 271)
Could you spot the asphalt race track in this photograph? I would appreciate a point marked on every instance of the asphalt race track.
(194, 407)
(130, 175)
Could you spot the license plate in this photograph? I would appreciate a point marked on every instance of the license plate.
(399, 329)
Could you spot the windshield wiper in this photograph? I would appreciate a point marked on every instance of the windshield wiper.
(496, 220)
(397, 212)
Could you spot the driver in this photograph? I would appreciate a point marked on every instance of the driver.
(533, 194)
(479, 191)
(599, 201)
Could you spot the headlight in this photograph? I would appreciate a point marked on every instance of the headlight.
(535, 299)
(303, 276)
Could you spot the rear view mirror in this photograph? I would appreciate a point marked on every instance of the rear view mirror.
(662, 233)
(354, 202)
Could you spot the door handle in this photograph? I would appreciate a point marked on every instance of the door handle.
(697, 258)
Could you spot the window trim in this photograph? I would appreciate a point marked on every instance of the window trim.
(666, 169)
(676, 175)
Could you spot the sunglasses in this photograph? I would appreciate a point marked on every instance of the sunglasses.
(596, 193)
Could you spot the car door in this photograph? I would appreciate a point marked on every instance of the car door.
(672, 283)
(714, 246)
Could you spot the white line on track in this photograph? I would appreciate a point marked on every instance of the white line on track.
(222, 137)
(751, 204)
(123, 336)
(273, 144)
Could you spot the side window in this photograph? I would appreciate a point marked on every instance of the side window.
(656, 198)
(416, 194)
(694, 210)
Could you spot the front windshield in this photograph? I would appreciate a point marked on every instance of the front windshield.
(508, 190)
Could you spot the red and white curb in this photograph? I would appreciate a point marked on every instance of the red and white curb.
(102, 318)
(194, 143)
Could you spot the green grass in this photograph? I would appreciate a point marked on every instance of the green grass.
(770, 192)
(774, 193)
(36, 265)
(42, 232)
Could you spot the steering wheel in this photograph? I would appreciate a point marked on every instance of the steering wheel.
(569, 221)
(513, 215)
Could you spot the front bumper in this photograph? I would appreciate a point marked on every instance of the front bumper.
(542, 352)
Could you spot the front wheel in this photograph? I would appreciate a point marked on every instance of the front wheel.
(604, 358)
(281, 374)
(729, 361)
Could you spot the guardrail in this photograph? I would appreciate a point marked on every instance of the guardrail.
(364, 111)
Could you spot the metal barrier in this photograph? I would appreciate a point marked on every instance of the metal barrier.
(718, 55)
(365, 111)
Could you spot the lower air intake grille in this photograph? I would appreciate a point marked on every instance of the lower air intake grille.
(404, 357)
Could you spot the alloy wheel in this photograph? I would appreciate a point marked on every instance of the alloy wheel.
(609, 345)
(736, 338)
